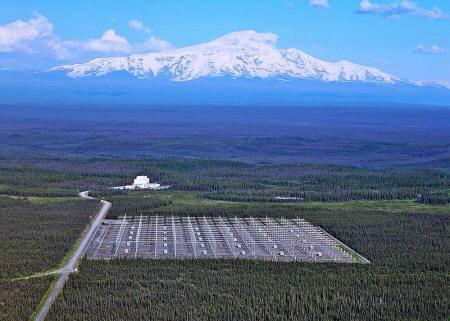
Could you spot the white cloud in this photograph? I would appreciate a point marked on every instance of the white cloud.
(321, 4)
(21, 35)
(397, 9)
(267, 37)
(109, 42)
(154, 44)
(432, 50)
(60, 49)
(37, 36)
(138, 25)
(246, 36)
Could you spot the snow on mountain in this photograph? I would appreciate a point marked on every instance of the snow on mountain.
(433, 83)
(238, 54)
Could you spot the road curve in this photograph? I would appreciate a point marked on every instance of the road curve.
(71, 265)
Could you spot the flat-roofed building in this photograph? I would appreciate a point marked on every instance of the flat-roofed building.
(141, 181)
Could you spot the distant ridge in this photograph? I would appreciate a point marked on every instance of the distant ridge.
(241, 68)
(243, 54)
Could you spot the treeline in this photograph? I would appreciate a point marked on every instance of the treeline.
(328, 196)
(135, 206)
(245, 182)
(434, 198)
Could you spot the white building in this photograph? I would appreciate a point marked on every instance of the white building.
(142, 182)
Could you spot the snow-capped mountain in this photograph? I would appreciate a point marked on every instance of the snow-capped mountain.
(245, 54)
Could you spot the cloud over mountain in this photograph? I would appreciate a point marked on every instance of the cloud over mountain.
(110, 41)
(243, 54)
(37, 36)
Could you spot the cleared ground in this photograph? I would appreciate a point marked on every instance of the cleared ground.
(160, 237)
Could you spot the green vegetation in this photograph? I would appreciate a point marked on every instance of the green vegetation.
(19, 298)
(35, 237)
(407, 279)
(192, 203)
(378, 213)
(219, 180)
(434, 197)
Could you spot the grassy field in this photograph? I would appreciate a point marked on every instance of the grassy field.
(36, 199)
(169, 202)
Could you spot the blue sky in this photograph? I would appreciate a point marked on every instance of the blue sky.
(410, 39)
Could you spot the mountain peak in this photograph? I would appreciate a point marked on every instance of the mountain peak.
(238, 54)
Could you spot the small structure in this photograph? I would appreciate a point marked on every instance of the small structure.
(288, 198)
(141, 181)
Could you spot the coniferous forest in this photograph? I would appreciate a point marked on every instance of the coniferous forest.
(386, 215)
(35, 236)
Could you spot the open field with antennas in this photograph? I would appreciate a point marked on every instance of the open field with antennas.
(165, 237)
